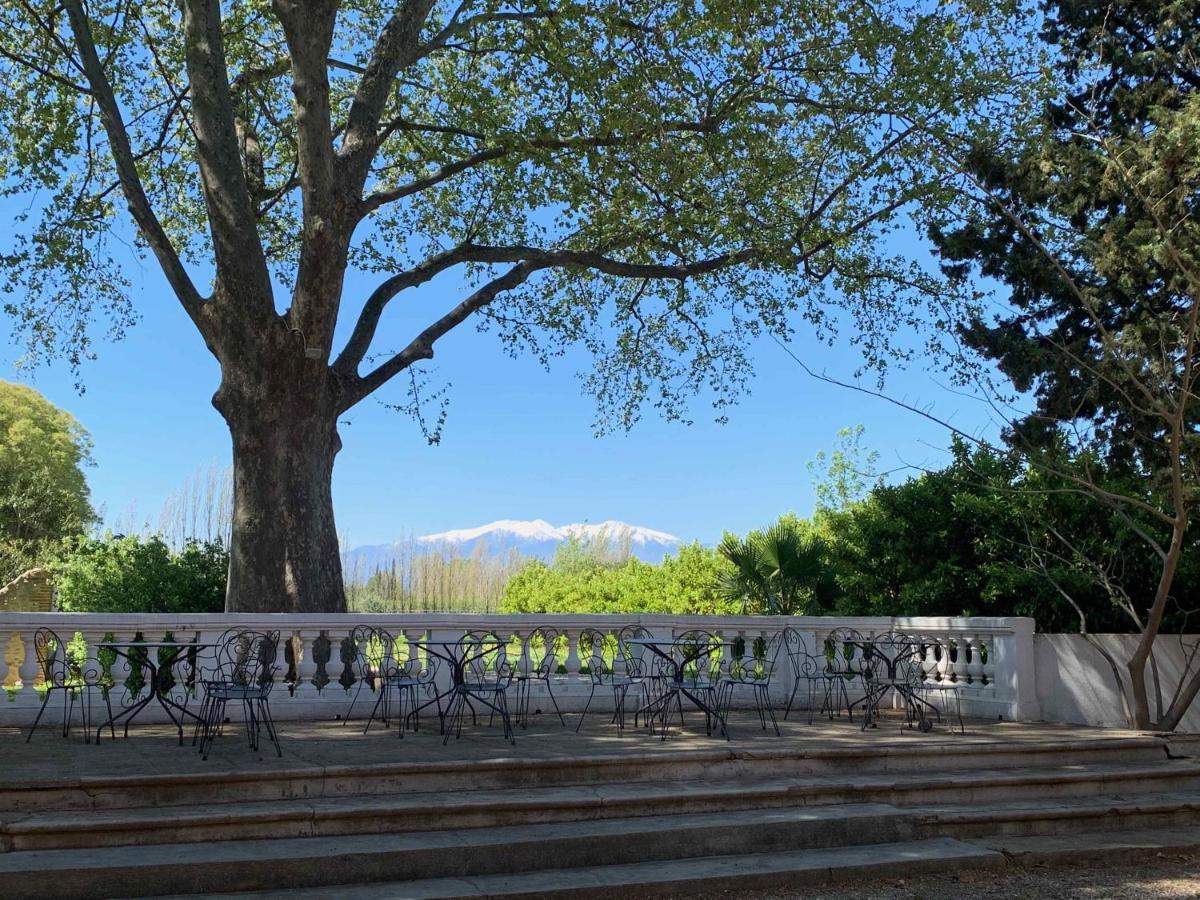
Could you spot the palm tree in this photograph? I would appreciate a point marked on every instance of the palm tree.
(781, 570)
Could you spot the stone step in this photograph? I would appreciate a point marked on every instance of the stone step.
(765, 871)
(914, 755)
(651, 842)
(707, 875)
(468, 809)
(403, 812)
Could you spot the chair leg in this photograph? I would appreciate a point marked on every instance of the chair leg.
(201, 716)
(265, 709)
(85, 708)
(353, 700)
(379, 701)
(554, 703)
(583, 715)
(791, 699)
(33, 727)
(112, 728)
(506, 721)
(770, 711)
(216, 714)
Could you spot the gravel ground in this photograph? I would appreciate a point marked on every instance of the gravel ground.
(1175, 875)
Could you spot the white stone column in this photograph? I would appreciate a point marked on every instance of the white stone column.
(306, 666)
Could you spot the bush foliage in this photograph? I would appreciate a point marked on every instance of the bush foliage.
(128, 573)
(581, 581)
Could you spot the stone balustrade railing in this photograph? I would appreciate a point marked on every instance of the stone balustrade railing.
(990, 659)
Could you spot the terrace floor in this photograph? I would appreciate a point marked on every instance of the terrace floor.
(307, 745)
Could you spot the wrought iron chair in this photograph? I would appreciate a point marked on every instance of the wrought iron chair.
(372, 653)
(538, 662)
(615, 664)
(243, 672)
(487, 674)
(891, 667)
(410, 678)
(931, 687)
(76, 675)
(806, 669)
(379, 668)
(753, 671)
(843, 663)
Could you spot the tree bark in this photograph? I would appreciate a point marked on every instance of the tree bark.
(284, 555)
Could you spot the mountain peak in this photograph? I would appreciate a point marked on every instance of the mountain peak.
(541, 530)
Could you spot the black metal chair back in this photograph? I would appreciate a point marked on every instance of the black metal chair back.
(844, 653)
(600, 651)
(757, 658)
(699, 657)
(541, 653)
(485, 659)
(375, 651)
(636, 660)
(804, 665)
(248, 659)
(54, 662)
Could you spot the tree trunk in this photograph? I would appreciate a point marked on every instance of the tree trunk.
(284, 555)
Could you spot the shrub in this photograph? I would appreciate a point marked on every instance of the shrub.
(127, 573)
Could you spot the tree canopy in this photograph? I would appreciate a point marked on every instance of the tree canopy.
(1079, 240)
(654, 182)
(43, 492)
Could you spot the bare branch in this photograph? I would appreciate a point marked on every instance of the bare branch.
(364, 329)
(421, 347)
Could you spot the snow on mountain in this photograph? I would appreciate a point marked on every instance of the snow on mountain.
(541, 530)
(537, 530)
(537, 538)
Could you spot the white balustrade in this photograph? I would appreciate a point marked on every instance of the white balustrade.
(1000, 685)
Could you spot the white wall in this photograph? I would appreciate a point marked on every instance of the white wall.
(1075, 683)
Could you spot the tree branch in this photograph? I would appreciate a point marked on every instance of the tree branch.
(380, 198)
(308, 30)
(421, 347)
(241, 262)
(368, 320)
(535, 258)
(399, 45)
(127, 174)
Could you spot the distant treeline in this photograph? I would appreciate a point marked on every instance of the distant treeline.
(423, 579)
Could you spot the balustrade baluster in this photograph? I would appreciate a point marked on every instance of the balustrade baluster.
(975, 662)
(987, 662)
(959, 662)
(306, 666)
(5, 640)
(944, 667)
(573, 663)
(30, 676)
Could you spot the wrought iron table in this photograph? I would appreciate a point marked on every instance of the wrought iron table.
(159, 681)
(676, 684)
(891, 663)
(451, 652)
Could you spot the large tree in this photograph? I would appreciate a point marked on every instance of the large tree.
(655, 181)
(1094, 228)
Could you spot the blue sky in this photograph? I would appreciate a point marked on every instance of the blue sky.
(517, 444)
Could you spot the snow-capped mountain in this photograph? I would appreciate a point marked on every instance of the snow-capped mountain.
(537, 538)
